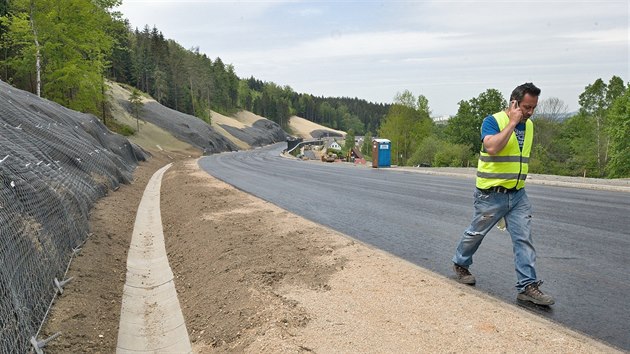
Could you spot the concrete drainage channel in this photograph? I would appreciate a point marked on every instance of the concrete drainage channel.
(151, 319)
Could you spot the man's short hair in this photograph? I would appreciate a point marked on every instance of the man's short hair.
(526, 88)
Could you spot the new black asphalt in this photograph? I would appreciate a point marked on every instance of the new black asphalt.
(582, 236)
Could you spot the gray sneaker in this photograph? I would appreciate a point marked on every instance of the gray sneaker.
(533, 294)
(463, 275)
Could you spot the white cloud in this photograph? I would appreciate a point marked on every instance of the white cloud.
(446, 50)
(307, 12)
(600, 36)
(369, 44)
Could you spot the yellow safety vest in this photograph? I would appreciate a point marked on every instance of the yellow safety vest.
(509, 167)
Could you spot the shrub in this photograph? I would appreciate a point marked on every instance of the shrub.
(435, 152)
(120, 128)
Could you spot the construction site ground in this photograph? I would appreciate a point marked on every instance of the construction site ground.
(252, 277)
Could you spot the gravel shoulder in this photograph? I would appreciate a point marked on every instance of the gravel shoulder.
(252, 277)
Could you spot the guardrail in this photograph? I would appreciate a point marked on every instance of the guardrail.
(308, 142)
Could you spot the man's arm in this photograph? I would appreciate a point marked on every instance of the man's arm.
(495, 143)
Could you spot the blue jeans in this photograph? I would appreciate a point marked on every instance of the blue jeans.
(490, 207)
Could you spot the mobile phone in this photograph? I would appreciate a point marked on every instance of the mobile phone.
(515, 102)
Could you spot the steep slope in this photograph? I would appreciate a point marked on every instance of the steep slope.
(173, 130)
(248, 130)
(149, 136)
(183, 127)
(54, 164)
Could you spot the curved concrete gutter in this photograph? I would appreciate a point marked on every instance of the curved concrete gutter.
(151, 319)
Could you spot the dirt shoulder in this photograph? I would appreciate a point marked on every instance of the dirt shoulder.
(252, 277)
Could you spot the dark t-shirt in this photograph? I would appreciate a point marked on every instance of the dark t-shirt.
(491, 127)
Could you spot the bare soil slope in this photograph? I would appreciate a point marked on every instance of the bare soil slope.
(308, 130)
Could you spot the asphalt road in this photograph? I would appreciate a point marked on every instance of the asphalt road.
(582, 236)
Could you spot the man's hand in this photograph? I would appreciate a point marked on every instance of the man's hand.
(495, 143)
(515, 113)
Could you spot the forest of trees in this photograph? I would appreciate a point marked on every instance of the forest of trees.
(64, 50)
(279, 103)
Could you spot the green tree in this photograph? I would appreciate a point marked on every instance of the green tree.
(615, 89)
(439, 153)
(423, 105)
(350, 121)
(120, 61)
(579, 135)
(366, 147)
(548, 155)
(406, 98)
(452, 155)
(425, 152)
(593, 104)
(245, 96)
(619, 128)
(405, 127)
(161, 85)
(350, 141)
(65, 41)
(135, 99)
(464, 128)
(19, 51)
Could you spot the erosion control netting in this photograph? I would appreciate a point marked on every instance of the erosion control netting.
(262, 132)
(184, 127)
(54, 164)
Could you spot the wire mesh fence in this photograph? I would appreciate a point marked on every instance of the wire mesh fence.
(54, 164)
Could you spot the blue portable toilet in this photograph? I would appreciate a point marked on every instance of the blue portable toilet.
(381, 153)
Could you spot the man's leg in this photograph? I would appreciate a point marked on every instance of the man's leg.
(489, 209)
(518, 223)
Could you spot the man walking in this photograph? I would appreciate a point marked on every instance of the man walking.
(502, 169)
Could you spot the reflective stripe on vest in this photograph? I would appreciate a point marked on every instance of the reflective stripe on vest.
(509, 167)
(491, 158)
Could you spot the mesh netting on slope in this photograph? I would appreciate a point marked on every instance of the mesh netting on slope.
(54, 164)
(184, 127)
(261, 133)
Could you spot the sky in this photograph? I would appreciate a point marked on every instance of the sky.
(447, 51)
